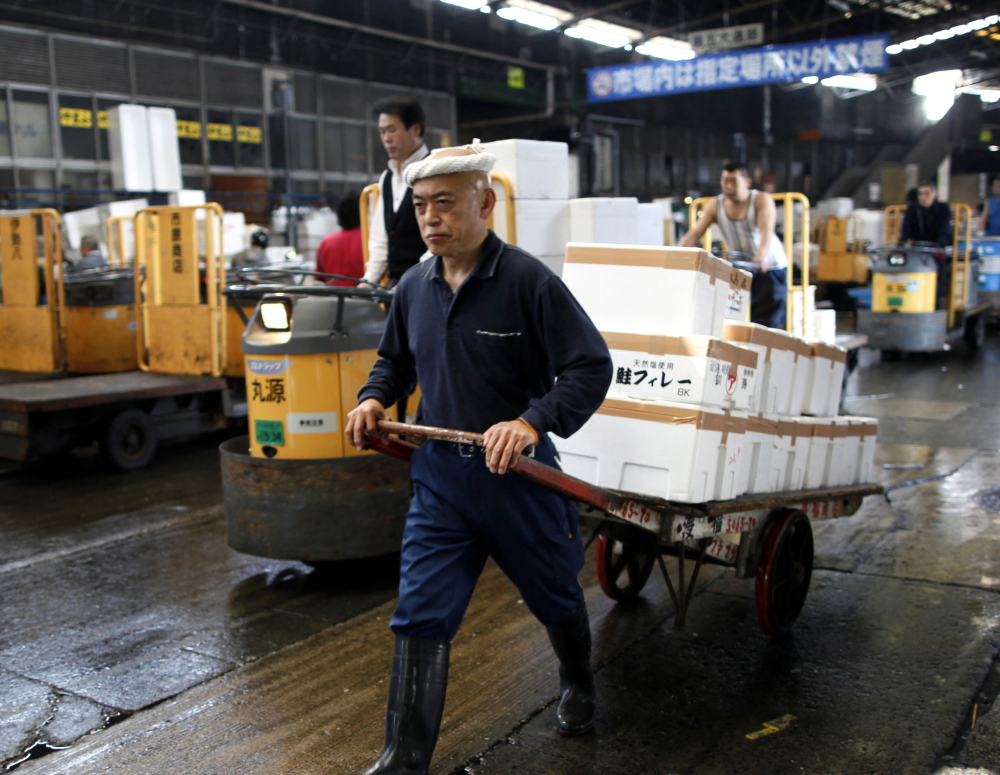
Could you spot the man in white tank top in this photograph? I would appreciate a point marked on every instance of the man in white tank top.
(746, 220)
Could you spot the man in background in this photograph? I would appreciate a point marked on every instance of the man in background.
(394, 242)
(927, 220)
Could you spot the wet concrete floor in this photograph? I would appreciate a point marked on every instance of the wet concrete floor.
(133, 639)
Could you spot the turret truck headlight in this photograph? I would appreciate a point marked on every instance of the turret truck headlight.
(274, 315)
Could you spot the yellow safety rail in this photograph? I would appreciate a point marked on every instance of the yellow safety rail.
(116, 240)
(368, 192)
(788, 201)
(508, 187)
(960, 278)
(894, 223)
(32, 334)
(180, 314)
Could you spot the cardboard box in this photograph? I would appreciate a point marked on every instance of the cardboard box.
(685, 369)
(776, 360)
(536, 169)
(541, 225)
(825, 381)
(641, 290)
(757, 472)
(608, 220)
(675, 451)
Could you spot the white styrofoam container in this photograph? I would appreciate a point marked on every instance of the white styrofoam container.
(868, 431)
(643, 290)
(685, 369)
(791, 453)
(667, 450)
(775, 364)
(233, 237)
(186, 197)
(756, 469)
(649, 224)
(128, 142)
(852, 451)
(537, 169)
(77, 224)
(801, 368)
(123, 208)
(825, 381)
(737, 304)
(826, 451)
(825, 325)
(164, 149)
(541, 225)
(609, 220)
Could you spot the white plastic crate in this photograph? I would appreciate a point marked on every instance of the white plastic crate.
(537, 169)
(675, 451)
(664, 291)
(686, 369)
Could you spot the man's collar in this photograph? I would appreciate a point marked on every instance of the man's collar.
(486, 266)
(418, 154)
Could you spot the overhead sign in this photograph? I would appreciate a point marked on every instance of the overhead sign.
(750, 67)
(723, 38)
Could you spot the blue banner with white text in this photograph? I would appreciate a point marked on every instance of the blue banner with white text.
(731, 69)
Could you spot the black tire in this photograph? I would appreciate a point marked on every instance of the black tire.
(975, 331)
(129, 441)
(784, 571)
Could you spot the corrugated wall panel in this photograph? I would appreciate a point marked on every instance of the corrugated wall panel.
(166, 75)
(24, 57)
(91, 66)
(236, 85)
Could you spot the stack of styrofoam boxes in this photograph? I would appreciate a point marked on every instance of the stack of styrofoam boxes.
(539, 174)
(312, 229)
(93, 221)
(649, 224)
(673, 423)
(145, 152)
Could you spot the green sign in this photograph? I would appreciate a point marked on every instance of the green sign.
(515, 77)
(269, 432)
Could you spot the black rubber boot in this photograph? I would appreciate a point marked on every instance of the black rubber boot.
(570, 640)
(416, 700)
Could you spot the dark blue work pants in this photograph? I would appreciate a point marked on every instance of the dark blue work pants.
(769, 297)
(460, 515)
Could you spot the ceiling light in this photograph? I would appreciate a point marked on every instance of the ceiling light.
(666, 48)
(472, 5)
(895, 48)
(810, 79)
(925, 40)
(938, 91)
(909, 44)
(602, 37)
(961, 29)
(943, 35)
(531, 18)
(856, 82)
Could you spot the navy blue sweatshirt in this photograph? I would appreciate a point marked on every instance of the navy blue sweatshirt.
(510, 342)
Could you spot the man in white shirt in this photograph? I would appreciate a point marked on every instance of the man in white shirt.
(394, 241)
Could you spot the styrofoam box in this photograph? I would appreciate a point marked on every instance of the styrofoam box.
(791, 453)
(186, 197)
(541, 225)
(775, 363)
(128, 142)
(649, 224)
(164, 149)
(826, 452)
(756, 470)
(801, 368)
(675, 451)
(852, 451)
(603, 220)
(536, 169)
(643, 290)
(686, 369)
(78, 223)
(825, 381)
(233, 237)
(124, 208)
(867, 429)
(737, 305)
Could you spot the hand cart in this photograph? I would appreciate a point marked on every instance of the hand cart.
(634, 532)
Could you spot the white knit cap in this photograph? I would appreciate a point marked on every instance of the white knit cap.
(445, 161)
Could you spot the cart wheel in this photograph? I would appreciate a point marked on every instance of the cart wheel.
(783, 572)
(623, 567)
(975, 331)
(129, 440)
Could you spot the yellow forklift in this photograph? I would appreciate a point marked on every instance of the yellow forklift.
(188, 381)
(924, 297)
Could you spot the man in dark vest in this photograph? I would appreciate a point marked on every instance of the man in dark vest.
(394, 241)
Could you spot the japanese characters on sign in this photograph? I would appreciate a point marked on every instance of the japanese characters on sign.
(749, 67)
(727, 37)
